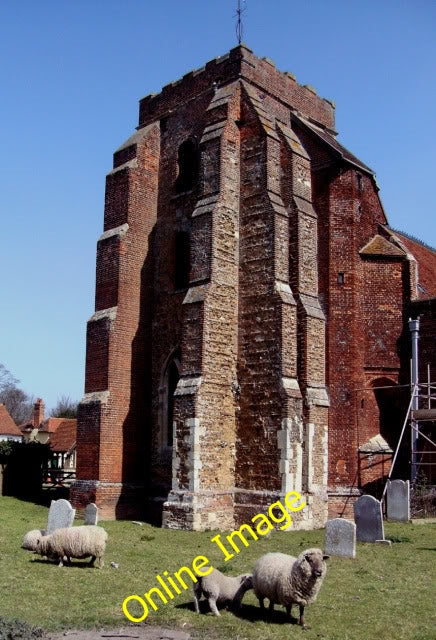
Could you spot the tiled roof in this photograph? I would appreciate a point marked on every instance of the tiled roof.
(7, 425)
(51, 425)
(65, 436)
(426, 258)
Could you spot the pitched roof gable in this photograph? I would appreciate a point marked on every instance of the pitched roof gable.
(379, 246)
(7, 425)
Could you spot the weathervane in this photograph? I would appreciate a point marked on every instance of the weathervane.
(239, 28)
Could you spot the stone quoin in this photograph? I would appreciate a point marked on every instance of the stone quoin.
(247, 285)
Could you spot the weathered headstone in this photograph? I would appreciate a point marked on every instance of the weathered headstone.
(369, 520)
(340, 538)
(398, 500)
(61, 514)
(91, 513)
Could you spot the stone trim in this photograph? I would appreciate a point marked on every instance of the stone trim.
(188, 386)
(317, 396)
(96, 396)
(103, 314)
(289, 442)
(116, 231)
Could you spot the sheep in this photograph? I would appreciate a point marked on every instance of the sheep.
(221, 589)
(31, 538)
(30, 541)
(74, 542)
(287, 580)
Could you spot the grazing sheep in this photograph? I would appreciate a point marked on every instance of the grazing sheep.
(287, 580)
(74, 542)
(31, 538)
(221, 589)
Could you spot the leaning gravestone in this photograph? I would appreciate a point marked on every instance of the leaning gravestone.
(91, 513)
(369, 520)
(340, 538)
(398, 500)
(61, 514)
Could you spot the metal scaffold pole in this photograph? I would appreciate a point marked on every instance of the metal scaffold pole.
(414, 330)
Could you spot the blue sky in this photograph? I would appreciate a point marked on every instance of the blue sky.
(72, 73)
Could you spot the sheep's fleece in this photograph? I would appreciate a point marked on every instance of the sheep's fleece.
(74, 542)
(287, 580)
(221, 589)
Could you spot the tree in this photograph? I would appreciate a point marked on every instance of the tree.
(16, 401)
(65, 408)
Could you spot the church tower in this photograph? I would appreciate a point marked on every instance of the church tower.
(205, 396)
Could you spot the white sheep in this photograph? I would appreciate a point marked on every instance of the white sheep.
(287, 580)
(31, 538)
(74, 542)
(221, 589)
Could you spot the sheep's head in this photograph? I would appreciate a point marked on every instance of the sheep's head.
(314, 564)
(246, 581)
(31, 539)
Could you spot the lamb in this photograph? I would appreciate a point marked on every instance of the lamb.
(221, 589)
(74, 542)
(287, 580)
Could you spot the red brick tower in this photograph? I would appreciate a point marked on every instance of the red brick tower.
(234, 223)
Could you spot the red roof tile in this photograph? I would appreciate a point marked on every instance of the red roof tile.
(426, 258)
(51, 425)
(7, 425)
(64, 438)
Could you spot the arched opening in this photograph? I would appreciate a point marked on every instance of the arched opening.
(392, 406)
(187, 159)
(383, 413)
(170, 378)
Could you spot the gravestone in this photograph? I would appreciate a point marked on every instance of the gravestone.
(369, 520)
(61, 514)
(340, 538)
(91, 513)
(398, 500)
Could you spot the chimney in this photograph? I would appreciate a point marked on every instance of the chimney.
(38, 413)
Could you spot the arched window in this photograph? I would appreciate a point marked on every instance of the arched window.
(169, 380)
(187, 160)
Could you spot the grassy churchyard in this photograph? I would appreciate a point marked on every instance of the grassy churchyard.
(385, 593)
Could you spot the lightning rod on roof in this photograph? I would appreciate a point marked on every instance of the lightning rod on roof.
(239, 27)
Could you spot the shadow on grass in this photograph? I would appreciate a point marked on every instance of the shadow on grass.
(253, 613)
(249, 612)
(66, 566)
(44, 497)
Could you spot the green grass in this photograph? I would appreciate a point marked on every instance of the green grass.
(385, 592)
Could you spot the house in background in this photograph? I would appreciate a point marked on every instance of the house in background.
(30, 429)
(63, 444)
(58, 433)
(8, 428)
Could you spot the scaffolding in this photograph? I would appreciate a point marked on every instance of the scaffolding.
(420, 417)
